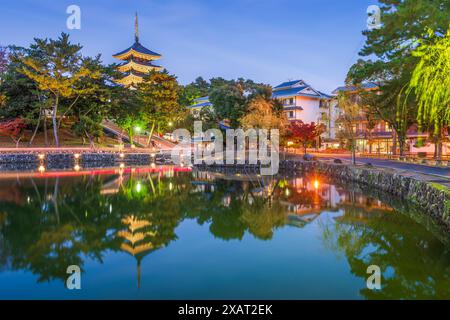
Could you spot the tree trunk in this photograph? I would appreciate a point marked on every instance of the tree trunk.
(55, 123)
(401, 144)
(394, 142)
(130, 136)
(353, 152)
(151, 134)
(36, 129)
(45, 131)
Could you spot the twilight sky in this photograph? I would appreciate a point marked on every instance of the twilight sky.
(269, 41)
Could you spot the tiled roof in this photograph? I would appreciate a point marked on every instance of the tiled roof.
(367, 85)
(142, 63)
(289, 89)
(292, 108)
(287, 84)
(139, 48)
(201, 105)
(288, 92)
(202, 99)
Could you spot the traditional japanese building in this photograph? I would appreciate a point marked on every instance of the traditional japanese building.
(137, 61)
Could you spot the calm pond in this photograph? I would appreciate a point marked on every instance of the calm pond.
(173, 233)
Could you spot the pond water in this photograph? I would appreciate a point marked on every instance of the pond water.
(174, 233)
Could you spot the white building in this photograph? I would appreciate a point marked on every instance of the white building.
(302, 102)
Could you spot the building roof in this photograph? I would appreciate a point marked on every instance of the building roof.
(139, 48)
(288, 84)
(365, 86)
(140, 62)
(201, 105)
(202, 99)
(292, 92)
(295, 88)
(292, 108)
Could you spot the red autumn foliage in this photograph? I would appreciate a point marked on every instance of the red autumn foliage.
(13, 128)
(305, 133)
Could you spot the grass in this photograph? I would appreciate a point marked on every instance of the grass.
(66, 137)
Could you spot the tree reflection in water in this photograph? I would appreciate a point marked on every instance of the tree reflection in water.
(47, 224)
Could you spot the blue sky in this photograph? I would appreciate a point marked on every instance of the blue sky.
(269, 41)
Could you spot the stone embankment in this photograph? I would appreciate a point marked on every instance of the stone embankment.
(30, 161)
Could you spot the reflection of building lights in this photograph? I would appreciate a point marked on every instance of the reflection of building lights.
(110, 208)
(316, 184)
(170, 186)
(153, 165)
(122, 165)
(138, 187)
(77, 167)
(41, 156)
(287, 192)
(76, 155)
(122, 155)
(152, 155)
(41, 169)
(290, 143)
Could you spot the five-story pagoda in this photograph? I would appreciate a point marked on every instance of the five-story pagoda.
(138, 61)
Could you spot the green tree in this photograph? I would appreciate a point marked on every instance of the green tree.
(263, 114)
(431, 84)
(21, 96)
(159, 97)
(188, 93)
(231, 98)
(351, 113)
(97, 101)
(403, 24)
(57, 71)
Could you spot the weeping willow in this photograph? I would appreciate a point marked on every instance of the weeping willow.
(431, 81)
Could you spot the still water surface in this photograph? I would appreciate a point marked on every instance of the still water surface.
(170, 233)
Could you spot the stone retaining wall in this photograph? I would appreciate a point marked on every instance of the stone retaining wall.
(433, 198)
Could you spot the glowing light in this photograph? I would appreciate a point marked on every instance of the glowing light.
(316, 184)
(287, 192)
(138, 187)
(170, 186)
(110, 208)
(290, 143)
(137, 129)
(41, 156)
(152, 155)
(76, 155)
(122, 165)
(122, 155)
(153, 165)
(170, 123)
(76, 168)
(41, 169)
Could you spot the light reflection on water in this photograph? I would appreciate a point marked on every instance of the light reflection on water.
(165, 233)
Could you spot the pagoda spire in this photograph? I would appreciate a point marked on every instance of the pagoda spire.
(136, 28)
(137, 60)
